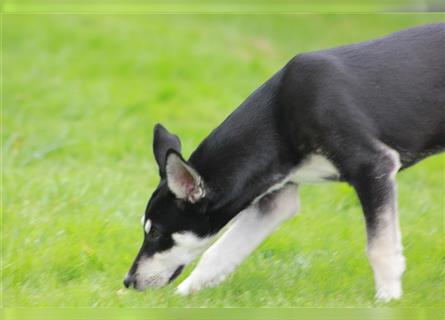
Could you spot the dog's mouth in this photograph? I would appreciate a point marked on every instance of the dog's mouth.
(176, 273)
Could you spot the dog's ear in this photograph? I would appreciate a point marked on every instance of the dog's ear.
(183, 180)
(162, 142)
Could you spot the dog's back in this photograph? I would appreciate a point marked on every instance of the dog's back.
(392, 89)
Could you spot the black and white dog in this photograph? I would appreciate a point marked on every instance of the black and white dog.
(357, 113)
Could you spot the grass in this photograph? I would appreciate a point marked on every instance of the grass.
(81, 94)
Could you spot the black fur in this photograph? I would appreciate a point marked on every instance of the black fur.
(346, 103)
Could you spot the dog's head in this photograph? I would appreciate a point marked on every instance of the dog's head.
(175, 222)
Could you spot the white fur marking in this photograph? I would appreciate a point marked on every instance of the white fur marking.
(248, 230)
(155, 271)
(386, 258)
(315, 168)
(384, 249)
(147, 226)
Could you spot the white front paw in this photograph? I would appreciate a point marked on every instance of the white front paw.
(184, 289)
(189, 286)
(194, 284)
(389, 292)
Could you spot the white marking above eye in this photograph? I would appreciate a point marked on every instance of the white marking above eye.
(147, 226)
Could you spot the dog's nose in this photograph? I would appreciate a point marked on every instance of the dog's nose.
(129, 281)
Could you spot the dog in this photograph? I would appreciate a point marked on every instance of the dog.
(357, 113)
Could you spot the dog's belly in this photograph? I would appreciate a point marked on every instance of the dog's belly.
(315, 168)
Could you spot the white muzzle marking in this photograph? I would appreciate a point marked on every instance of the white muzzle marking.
(155, 271)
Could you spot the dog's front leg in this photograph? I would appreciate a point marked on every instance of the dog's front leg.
(249, 229)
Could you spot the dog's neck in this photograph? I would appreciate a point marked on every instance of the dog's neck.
(244, 156)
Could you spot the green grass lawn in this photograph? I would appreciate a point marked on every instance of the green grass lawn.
(81, 94)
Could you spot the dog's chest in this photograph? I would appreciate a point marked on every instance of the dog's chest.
(315, 168)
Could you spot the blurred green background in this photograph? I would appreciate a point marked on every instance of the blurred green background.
(81, 93)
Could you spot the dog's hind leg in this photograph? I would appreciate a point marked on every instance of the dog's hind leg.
(250, 228)
(376, 188)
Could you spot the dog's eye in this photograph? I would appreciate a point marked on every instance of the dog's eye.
(154, 234)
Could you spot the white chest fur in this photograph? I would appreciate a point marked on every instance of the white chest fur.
(315, 168)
